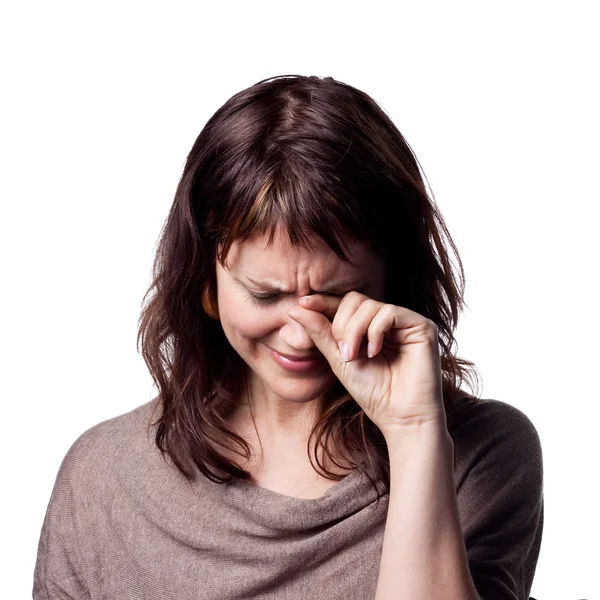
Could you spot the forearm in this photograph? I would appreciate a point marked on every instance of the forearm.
(423, 555)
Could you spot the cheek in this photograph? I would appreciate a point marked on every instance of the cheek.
(250, 322)
(241, 319)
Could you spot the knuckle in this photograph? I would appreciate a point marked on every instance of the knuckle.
(432, 330)
(388, 309)
(353, 294)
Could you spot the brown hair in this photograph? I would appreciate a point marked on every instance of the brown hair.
(313, 156)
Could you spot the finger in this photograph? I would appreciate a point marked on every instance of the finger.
(318, 326)
(327, 305)
(337, 310)
(356, 332)
(341, 312)
(382, 323)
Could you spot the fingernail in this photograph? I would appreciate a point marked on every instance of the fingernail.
(345, 350)
(370, 350)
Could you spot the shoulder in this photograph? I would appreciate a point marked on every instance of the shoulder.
(499, 489)
(498, 462)
(97, 450)
(499, 436)
(80, 513)
(491, 411)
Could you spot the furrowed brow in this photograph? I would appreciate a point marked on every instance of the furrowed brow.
(334, 287)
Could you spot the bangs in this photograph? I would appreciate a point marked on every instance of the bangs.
(301, 206)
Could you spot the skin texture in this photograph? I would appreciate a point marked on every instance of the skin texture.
(284, 404)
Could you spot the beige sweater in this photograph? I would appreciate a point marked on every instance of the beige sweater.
(123, 523)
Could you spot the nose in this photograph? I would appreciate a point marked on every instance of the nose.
(295, 337)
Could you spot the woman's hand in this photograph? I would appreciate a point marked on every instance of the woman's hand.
(401, 386)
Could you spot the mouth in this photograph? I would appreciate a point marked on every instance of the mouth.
(298, 358)
(297, 365)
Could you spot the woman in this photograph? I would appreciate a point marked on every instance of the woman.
(310, 437)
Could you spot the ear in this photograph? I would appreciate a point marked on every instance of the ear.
(207, 304)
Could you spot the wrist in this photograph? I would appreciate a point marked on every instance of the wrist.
(418, 434)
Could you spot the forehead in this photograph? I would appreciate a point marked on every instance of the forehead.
(255, 256)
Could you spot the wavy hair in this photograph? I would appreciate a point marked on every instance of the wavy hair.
(315, 157)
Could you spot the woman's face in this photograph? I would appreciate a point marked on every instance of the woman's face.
(254, 327)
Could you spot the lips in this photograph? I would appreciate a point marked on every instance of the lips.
(298, 366)
(299, 358)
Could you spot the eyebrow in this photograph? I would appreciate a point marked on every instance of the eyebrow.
(337, 286)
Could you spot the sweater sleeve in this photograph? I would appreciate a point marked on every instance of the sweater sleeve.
(60, 565)
(500, 498)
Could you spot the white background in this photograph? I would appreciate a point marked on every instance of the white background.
(101, 103)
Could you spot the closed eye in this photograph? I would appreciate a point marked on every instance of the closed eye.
(267, 300)
(262, 300)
